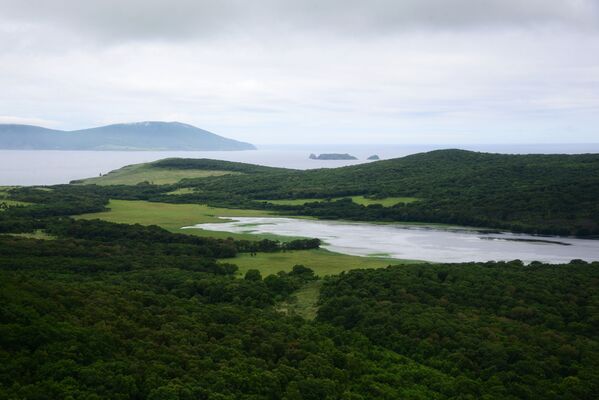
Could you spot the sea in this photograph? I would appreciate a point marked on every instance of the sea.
(50, 167)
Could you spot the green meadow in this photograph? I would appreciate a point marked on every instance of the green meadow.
(38, 234)
(304, 302)
(9, 203)
(385, 202)
(134, 174)
(173, 217)
(179, 191)
(322, 261)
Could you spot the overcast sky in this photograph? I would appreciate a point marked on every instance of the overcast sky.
(304, 71)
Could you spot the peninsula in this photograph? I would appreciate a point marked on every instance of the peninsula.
(148, 135)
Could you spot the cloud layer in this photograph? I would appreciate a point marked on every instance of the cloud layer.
(176, 19)
(427, 71)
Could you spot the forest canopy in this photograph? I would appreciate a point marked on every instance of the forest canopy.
(99, 310)
(534, 193)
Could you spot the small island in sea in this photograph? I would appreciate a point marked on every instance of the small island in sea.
(374, 157)
(332, 156)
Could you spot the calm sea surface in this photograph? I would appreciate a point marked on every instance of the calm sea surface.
(41, 167)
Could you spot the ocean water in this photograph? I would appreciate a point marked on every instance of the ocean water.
(48, 167)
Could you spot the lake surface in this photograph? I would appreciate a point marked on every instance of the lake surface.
(418, 242)
(49, 167)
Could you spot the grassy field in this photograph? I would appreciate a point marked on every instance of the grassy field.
(134, 174)
(38, 234)
(303, 302)
(11, 203)
(175, 216)
(386, 202)
(4, 201)
(322, 261)
(3, 198)
(4, 191)
(182, 191)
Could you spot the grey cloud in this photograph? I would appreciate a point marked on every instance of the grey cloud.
(282, 71)
(175, 19)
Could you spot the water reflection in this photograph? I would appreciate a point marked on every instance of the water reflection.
(418, 242)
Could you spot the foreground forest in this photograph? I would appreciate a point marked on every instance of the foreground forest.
(91, 309)
(546, 194)
(83, 316)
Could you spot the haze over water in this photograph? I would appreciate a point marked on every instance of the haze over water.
(41, 167)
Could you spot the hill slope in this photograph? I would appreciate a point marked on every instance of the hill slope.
(544, 194)
(172, 170)
(151, 135)
(533, 193)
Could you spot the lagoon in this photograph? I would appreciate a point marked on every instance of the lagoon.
(417, 242)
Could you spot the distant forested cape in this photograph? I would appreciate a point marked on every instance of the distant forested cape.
(151, 135)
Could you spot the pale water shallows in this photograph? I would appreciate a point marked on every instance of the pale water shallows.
(418, 242)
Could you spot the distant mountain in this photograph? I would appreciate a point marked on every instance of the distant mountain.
(150, 135)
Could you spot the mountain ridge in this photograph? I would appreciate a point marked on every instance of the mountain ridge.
(144, 135)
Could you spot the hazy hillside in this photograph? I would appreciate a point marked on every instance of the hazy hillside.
(150, 135)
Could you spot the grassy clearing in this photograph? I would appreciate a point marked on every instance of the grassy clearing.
(292, 202)
(322, 261)
(182, 191)
(4, 191)
(37, 234)
(386, 202)
(175, 216)
(134, 174)
(4, 202)
(303, 302)
(11, 203)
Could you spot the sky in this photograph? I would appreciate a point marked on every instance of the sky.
(308, 71)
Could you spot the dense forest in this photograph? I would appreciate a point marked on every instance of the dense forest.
(546, 194)
(113, 311)
(100, 310)
(106, 311)
(532, 193)
(504, 330)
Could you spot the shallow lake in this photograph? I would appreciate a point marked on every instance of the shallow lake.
(418, 242)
